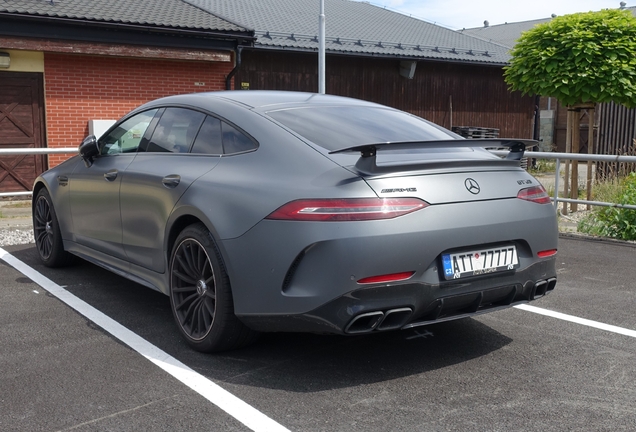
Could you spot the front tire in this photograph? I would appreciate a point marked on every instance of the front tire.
(200, 294)
(46, 230)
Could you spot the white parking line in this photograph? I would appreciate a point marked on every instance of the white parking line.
(241, 411)
(577, 320)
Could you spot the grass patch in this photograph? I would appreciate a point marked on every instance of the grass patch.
(543, 166)
(607, 191)
(610, 221)
(8, 208)
(19, 204)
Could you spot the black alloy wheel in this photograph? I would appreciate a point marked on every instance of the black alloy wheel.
(193, 289)
(200, 294)
(42, 227)
(46, 230)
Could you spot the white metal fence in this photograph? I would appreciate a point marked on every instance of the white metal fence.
(558, 157)
(32, 151)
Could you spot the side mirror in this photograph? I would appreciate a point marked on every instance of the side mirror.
(88, 149)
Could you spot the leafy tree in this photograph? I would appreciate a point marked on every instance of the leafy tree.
(579, 58)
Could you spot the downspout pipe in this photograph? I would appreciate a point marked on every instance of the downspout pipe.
(228, 80)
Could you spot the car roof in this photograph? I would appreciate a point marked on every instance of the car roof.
(264, 100)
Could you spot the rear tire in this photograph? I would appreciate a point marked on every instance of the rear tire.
(200, 294)
(46, 230)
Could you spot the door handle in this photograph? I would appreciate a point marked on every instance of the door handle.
(171, 181)
(111, 175)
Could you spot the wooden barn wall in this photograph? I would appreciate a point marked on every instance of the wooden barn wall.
(616, 134)
(617, 129)
(467, 95)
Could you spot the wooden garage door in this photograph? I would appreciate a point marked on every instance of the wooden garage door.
(21, 125)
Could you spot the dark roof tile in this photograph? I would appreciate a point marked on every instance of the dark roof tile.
(507, 34)
(378, 30)
(160, 13)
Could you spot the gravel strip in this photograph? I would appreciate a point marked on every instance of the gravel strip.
(16, 236)
(16, 226)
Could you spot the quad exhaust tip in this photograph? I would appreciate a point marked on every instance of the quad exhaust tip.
(393, 319)
(541, 288)
(369, 321)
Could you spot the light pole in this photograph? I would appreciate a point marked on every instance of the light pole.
(321, 48)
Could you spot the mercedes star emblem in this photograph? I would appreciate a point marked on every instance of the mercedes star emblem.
(472, 186)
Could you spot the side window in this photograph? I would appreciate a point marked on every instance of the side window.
(209, 140)
(235, 141)
(125, 138)
(175, 131)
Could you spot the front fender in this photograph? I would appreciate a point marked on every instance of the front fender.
(56, 181)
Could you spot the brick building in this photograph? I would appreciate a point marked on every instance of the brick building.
(76, 61)
(65, 64)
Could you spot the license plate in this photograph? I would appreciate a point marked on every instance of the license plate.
(478, 262)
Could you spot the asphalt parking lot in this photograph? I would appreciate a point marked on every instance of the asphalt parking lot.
(509, 370)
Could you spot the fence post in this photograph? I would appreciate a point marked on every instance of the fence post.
(576, 143)
(556, 183)
(590, 150)
(568, 149)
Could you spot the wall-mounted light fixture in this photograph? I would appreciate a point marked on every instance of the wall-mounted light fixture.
(5, 59)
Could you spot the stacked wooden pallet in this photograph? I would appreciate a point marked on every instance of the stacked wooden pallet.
(474, 132)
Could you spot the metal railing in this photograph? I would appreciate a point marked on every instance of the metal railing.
(575, 157)
(32, 151)
(558, 157)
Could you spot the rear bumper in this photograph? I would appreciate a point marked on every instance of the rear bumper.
(287, 268)
(391, 307)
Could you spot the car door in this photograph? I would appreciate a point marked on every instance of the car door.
(158, 177)
(94, 191)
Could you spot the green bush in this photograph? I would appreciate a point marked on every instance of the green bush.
(614, 222)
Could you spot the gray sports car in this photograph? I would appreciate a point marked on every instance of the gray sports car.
(282, 211)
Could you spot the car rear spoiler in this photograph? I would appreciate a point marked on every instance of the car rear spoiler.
(367, 162)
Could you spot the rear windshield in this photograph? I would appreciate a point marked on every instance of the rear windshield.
(336, 128)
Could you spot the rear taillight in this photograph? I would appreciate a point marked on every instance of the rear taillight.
(535, 194)
(352, 209)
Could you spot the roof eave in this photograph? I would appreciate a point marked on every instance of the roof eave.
(379, 55)
(114, 32)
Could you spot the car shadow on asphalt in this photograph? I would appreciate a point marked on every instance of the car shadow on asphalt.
(295, 362)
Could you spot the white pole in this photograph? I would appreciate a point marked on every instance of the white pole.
(321, 48)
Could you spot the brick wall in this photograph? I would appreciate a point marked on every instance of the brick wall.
(80, 88)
